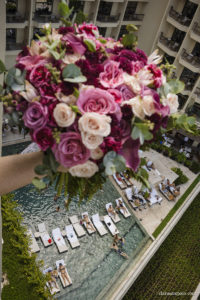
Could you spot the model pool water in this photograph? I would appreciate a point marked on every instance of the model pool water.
(93, 267)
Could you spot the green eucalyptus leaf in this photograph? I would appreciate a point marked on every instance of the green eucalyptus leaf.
(38, 183)
(71, 71)
(141, 131)
(176, 86)
(41, 170)
(77, 79)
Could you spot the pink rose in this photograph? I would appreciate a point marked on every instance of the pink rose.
(71, 151)
(88, 30)
(43, 137)
(36, 115)
(96, 100)
(112, 75)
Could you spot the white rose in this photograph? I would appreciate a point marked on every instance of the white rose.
(148, 105)
(71, 99)
(91, 141)
(95, 124)
(30, 93)
(63, 115)
(96, 153)
(87, 169)
(136, 105)
(172, 102)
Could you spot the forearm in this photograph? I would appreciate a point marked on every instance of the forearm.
(18, 170)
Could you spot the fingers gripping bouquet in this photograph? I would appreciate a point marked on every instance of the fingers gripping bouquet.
(89, 103)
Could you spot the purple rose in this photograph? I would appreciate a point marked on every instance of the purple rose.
(71, 151)
(36, 116)
(96, 100)
(43, 137)
(126, 92)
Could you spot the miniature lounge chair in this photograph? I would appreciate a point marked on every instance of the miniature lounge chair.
(119, 181)
(115, 218)
(154, 197)
(45, 237)
(125, 213)
(129, 195)
(126, 179)
(71, 236)
(34, 245)
(111, 226)
(166, 193)
(59, 240)
(77, 226)
(89, 230)
(99, 225)
(59, 273)
(53, 289)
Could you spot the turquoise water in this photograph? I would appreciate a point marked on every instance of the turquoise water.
(93, 266)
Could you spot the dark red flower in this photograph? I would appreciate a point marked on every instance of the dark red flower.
(65, 30)
(43, 137)
(110, 144)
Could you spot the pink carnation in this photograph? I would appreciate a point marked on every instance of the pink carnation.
(157, 75)
(96, 100)
(112, 75)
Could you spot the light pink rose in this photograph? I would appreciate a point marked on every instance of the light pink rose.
(95, 124)
(96, 153)
(91, 141)
(63, 115)
(88, 169)
(148, 105)
(136, 105)
(172, 102)
(96, 100)
(112, 75)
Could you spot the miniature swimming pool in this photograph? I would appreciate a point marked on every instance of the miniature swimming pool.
(93, 267)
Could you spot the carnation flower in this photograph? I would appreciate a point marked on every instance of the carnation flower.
(110, 144)
(36, 115)
(88, 169)
(64, 30)
(43, 137)
(64, 115)
(96, 100)
(70, 151)
(95, 124)
(116, 94)
(112, 76)
(88, 30)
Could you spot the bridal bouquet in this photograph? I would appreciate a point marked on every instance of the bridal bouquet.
(89, 103)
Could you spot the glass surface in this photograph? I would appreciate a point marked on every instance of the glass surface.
(93, 266)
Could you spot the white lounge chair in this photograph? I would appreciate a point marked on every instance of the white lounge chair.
(33, 245)
(125, 179)
(154, 197)
(89, 230)
(116, 217)
(77, 226)
(99, 225)
(125, 212)
(71, 236)
(53, 289)
(111, 226)
(59, 240)
(45, 237)
(59, 273)
(119, 181)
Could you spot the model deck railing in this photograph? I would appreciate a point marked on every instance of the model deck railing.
(172, 45)
(197, 92)
(133, 17)
(196, 28)
(15, 18)
(46, 19)
(108, 19)
(182, 19)
(14, 46)
(189, 83)
(193, 59)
